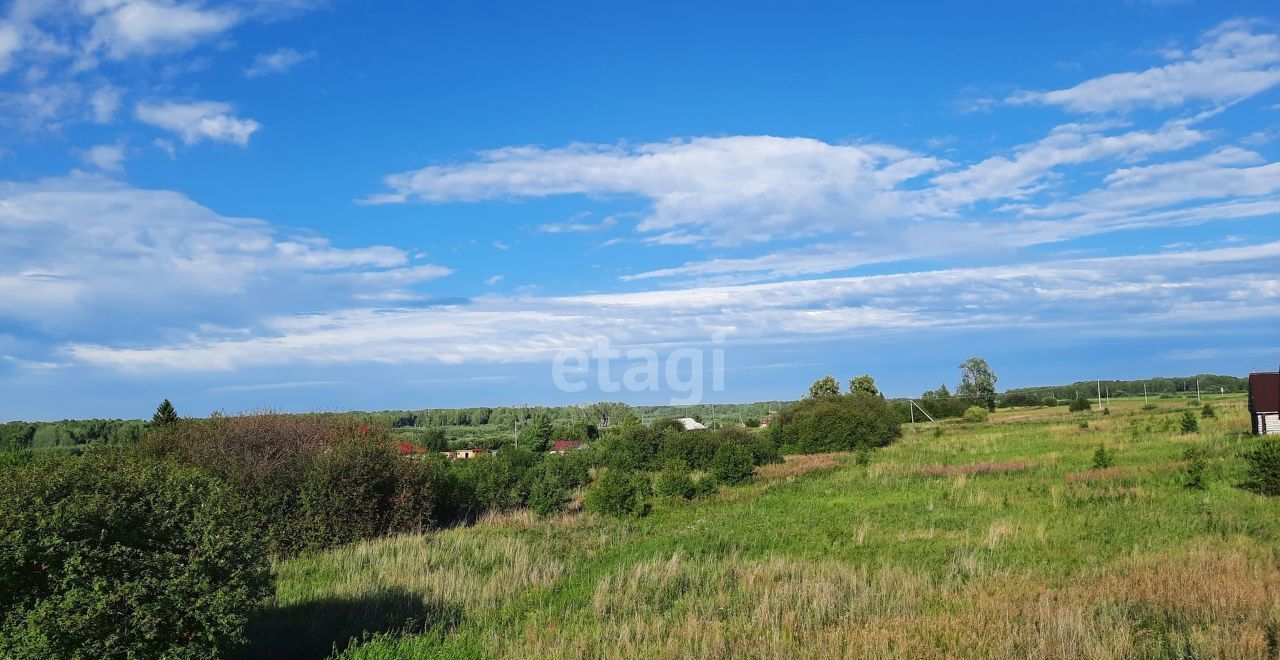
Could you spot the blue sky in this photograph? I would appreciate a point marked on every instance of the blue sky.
(331, 205)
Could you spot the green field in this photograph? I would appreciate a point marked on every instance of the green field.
(985, 540)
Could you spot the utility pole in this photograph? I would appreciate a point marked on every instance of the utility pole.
(1099, 392)
(1144, 392)
(1197, 390)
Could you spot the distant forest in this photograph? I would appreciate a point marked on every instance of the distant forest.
(493, 426)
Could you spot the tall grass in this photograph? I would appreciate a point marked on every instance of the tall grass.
(994, 540)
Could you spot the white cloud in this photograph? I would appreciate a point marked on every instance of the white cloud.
(106, 157)
(10, 43)
(1233, 61)
(728, 190)
(578, 224)
(1184, 289)
(199, 120)
(277, 61)
(83, 248)
(493, 280)
(143, 27)
(105, 101)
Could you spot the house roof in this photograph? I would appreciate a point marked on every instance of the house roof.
(565, 445)
(690, 424)
(406, 447)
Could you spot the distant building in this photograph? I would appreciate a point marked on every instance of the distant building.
(690, 424)
(764, 423)
(406, 448)
(458, 454)
(1264, 402)
(565, 446)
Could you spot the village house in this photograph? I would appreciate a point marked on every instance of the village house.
(459, 454)
(1264, 403)
(565, 446)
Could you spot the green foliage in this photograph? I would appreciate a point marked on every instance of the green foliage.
(826, 386)
(975, 414)
(1189, 423)
(620, 493)
(864, 385)
(111, 555)
(1051, 402)
(840, 423)
(1102, 458)
(751, 422)
(312, 481)
(732, 463)
(1149, 406)
(1197, 467)
(1080, 404)
(978, 381)
(493, 482)
(165, 415)
(1263, 472)
(553, 480)
(1208, 412)
(706, 486)
(536, 434)
(674, 481)
(360, 488)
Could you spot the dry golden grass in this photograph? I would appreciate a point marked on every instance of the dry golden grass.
(799, 464)
(1205, 601)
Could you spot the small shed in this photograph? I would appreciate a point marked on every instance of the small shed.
(1264, 402)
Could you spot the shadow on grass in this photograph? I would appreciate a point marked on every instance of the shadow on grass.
(314, 629)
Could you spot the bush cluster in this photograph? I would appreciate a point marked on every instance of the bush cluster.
(620, 492)
(836, 423)
(310, 482)
(110, 555)
(1080, 404)
(975, 414)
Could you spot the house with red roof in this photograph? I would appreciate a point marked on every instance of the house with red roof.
(565, 446)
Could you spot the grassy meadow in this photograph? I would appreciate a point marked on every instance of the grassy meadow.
(995, 539)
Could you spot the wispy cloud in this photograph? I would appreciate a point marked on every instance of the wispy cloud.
(1184, 289)
(277, 61)
(1234, 61)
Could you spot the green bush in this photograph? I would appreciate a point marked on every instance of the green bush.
(676, 482)
(836, 423)
(111, 555)
(706, 486)
(1196, 468)
(492, 482)
(1102, 458)
(1189, 423)
(732, 464)
(619, 493)
(1149, 406)
(1208, 412)
(975, 414)
(553, 480)
(1263, 473)
(1080, 404)
(1050, 402)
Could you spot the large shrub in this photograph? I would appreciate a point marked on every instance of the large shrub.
(553, 480)
(111, 556)
(974, 414)
(620, 493)
(836, 423)
(493, 482)
(360, 488)
(310, 481)
(1079, 404)
(1263, 475)
(733, 463)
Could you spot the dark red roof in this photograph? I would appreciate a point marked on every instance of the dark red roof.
(565, 445)
(406, 447)
(1264, 392)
